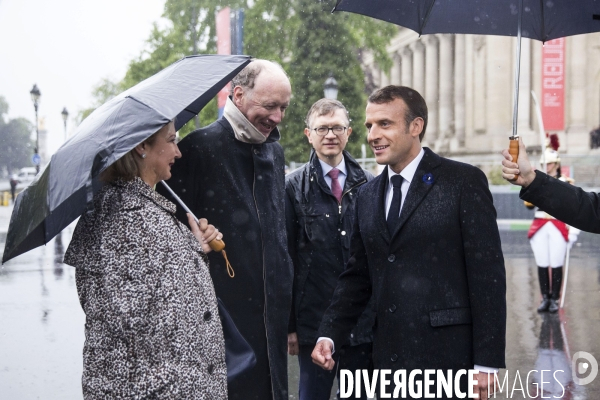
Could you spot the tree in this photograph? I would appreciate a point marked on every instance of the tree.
(15, 137)
(102, 92)
(330, 43)
(302, 35)
(190, 30)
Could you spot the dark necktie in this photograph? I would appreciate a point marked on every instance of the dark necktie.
(336, 189)
(394, 212)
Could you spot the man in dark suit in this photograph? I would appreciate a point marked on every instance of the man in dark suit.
(563, 201)
(426, 246)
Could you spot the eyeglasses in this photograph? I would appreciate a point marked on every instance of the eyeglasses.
(324, 130)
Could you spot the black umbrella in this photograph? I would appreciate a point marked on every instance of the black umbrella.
(62, 191)
(535, 19)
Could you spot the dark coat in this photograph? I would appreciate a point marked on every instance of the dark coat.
(565, 202)
(438, 282)
(319, 244)
(152, 329)
(239, 188)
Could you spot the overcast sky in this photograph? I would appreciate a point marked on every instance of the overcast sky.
(66, 47)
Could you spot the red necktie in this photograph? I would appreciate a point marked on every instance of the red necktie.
(336, 189)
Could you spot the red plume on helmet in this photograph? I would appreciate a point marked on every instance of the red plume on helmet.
(554, 143)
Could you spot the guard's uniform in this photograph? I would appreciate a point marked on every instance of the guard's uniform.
(550, 239)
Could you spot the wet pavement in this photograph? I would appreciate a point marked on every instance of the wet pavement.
(41, 324)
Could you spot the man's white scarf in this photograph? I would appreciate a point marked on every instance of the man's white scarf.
(243, 129)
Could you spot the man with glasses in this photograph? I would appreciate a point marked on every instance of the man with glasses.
(319, 217)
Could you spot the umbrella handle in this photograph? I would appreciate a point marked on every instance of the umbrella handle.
(513, 148)
(215, 244)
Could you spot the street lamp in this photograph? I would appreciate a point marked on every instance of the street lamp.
(35, 97)
(330, 88)
(65, 116)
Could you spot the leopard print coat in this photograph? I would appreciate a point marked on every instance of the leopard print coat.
(152, 326)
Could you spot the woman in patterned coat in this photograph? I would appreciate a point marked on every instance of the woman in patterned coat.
(152, 325)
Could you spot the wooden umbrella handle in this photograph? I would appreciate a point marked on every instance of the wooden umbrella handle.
(217, 245)
(513, 148)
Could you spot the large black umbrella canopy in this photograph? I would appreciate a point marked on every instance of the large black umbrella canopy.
(541, 19)
(535, 19)
(65, 188)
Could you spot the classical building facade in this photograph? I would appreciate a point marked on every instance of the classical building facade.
(468, 81)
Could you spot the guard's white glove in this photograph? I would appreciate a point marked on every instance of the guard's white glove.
(572, 240)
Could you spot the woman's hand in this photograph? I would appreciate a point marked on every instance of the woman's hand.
(204, 232)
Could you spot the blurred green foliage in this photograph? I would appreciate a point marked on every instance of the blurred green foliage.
(15, 138)
(302, 35)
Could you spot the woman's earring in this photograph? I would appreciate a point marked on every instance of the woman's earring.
(143, 155)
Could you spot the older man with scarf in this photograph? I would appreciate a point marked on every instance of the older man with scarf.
(232, 173)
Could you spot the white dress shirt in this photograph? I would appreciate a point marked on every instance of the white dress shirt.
(408, 174)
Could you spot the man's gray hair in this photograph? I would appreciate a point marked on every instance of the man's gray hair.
(247, 77)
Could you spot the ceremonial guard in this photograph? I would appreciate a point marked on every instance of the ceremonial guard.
(550, 237)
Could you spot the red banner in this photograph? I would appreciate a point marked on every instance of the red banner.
(553, 84)
(223, 47)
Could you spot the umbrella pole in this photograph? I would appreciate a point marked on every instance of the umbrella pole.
(513, 147)
(181, 203)
(517, 72)
(215, 244)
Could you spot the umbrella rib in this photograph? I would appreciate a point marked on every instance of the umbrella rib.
(543, 22)
(336, 5)
(426, 17)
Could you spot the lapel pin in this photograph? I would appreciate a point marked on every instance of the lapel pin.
(428, 178)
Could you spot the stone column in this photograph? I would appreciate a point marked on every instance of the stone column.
(432, 89)
(418, 51)
(384, 79)
(479, 84)
(576, 95)
(407, 67)
(459, 93)
(469, 90)
(395, 75)
(446, 90)
(524, 117)
(500, 83)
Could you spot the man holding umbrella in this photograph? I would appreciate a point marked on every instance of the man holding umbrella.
(232, 173)
(566, 202)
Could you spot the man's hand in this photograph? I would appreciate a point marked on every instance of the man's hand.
(293, 348)
(521, 173)
(481, 388)
(321, 355)
(204, 232)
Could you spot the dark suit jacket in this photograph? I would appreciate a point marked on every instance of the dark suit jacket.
(438, 282)
(318, 233)
(565, 202)
(240, 189)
